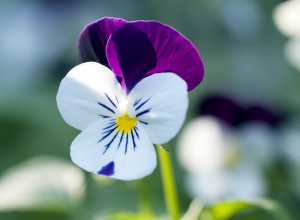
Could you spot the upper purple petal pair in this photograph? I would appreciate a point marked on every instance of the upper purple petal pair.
(135, 50)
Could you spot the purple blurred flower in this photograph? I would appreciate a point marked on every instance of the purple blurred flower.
(130, 93)
(230, 112)
(135, 50)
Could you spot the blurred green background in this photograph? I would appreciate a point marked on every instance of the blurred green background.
(243, 53)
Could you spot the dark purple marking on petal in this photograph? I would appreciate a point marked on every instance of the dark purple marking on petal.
(136, 127)
(131, 55)
(136, 102)
(104, 116)
(104, 106)
(93, 39)
(105, 132)
(113, 123)
(108, 169)
(121, 139)
(134, 145)
(108, 145)
(136, 132)
(110, 100)
(126, 143)
(117, 99)
(137, 108)
(110, 131)
(141, 48)
(143, 112)
(143, 122)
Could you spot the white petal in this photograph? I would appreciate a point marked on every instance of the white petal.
(104, 150)
(160, 102)
(88, 93)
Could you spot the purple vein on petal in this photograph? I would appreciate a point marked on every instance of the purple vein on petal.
(126, 143)
(143, 122)
(143, 112)
(121, 139)
(142, 104)
(111, 131)
(109, 126)
(104, 116)
(110, 100)
(136, 133)
(108, 145)
(104, 106)
(132, 136)
(136, 102)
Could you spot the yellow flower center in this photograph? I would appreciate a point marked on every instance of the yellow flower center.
(125, 123)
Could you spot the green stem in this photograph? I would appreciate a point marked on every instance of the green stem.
(144, 204)
(169, 187)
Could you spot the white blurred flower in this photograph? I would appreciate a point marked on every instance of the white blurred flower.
(201, 145)
(41, 183)
(291, 144)
(292, 51)
(218, 166)
(259, 142)
(243, 181)
(287, 18)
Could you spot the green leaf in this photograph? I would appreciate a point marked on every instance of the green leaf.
(166, 147)
(226, 209)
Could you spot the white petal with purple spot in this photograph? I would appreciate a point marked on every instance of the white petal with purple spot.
(103, 149)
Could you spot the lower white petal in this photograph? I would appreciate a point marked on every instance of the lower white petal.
(160, 102)
(103, 149)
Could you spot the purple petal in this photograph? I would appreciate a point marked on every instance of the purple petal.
(141, 48)
(93, 39)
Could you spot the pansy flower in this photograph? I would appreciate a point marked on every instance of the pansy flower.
(129, 93)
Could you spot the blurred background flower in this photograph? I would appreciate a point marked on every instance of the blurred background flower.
(41, 183)
(251, 56)
(227, 150)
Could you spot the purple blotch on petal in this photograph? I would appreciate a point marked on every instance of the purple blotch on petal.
(108, 169)
(131, 55)
(93, 39)
(128, 49)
